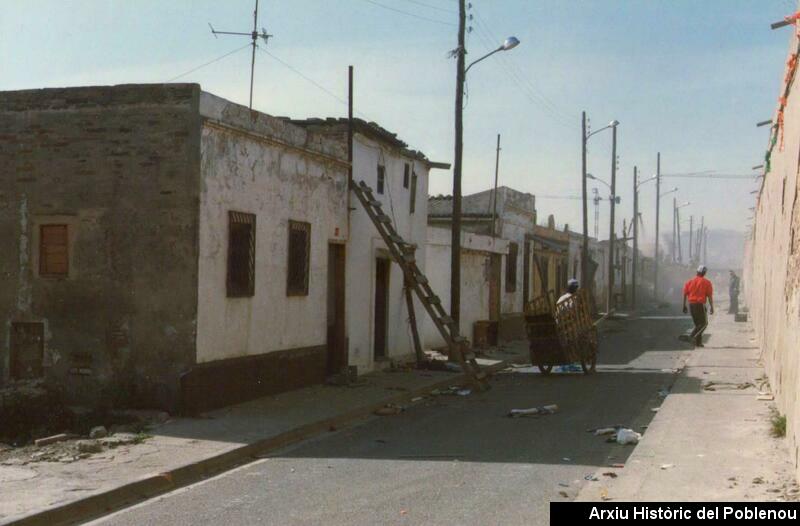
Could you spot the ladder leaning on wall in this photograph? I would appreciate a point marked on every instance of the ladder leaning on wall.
(403, 254)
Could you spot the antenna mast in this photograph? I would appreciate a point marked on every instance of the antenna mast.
(255, 35)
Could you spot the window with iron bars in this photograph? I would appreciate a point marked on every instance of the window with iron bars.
(299, 258)
(241, 254)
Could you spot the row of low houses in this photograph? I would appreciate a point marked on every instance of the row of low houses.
(164, 247)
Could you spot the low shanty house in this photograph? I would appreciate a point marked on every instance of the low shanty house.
(164, 247)
(482, 274)
(377, 315)
(512, 217)
(551, 259)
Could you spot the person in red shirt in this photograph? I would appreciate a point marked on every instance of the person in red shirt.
(697, 290)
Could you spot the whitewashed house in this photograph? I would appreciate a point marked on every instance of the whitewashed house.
(482, 274)
(377, 317)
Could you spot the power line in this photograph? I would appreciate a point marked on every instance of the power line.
(517, 79)
(419, 17)
(535, 90)
(429, 6)
(304, 76)
(209, 62)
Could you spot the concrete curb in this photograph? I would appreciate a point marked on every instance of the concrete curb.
(96, 506)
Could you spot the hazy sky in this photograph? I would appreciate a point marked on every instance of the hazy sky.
(688, 78)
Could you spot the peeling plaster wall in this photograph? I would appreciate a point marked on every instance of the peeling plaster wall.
(366, 244)
(118, 165)
(772, 268)
(244, 169)
(476, 252)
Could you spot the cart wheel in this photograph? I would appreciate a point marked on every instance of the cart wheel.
(589, 365)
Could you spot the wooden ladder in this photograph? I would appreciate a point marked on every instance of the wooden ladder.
(403, 254)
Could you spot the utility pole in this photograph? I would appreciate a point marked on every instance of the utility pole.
(255, 35)
(691, 238)
(678, 223)
(609, 299)
(635, 262)
(705, 245)
(675, 227)
(455, 244)
(585, 246)
(658, 210)
(494, 194)
(596, 199)
(700, 237)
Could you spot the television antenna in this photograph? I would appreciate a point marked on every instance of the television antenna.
(255, 35)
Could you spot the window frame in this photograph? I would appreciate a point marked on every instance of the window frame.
(292, 289)
(380, 185)
(44, 271)
(412, 205)
(233, 289)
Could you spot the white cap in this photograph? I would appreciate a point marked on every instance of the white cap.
(701, 269)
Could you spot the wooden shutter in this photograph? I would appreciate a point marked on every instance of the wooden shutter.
(53, 250)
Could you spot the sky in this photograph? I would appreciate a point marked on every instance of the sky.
(686, 78)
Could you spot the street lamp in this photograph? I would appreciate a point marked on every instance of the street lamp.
(585, 249)
(636, 185)
(676, 234)
(461, 72)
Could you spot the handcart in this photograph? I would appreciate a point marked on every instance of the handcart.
(562, 333)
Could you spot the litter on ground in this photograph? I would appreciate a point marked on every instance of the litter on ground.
(628, 436)
(534, 411)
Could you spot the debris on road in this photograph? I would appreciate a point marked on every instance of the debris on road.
(53, 439)
(601, 431)
(714, 386)
(616, 465)
(563, 484)
(765, 397)
(534, 411)
(464, 392)
(389, 410)
(628, 436)
(98, 432)
(610, 474)
(564, 494)
(665, 467)
(591, 478)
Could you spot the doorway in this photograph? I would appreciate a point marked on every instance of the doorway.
(382, 267)
(337, 339)
(495, 266)
(27, 350)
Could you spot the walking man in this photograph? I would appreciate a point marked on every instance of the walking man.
(733, 292)
(697, 290)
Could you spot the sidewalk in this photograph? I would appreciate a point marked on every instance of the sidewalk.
(710, 439)
(185, 450)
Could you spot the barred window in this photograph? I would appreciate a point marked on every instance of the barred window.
(299, 258)
(381, 178)
(241, 254)
(53, 250)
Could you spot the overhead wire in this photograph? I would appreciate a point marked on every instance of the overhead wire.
(229, 53)
(517, 79)
(413, 15)
(519, 75)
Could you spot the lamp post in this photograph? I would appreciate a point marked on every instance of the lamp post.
(461, 72)
(678, 228)
(636, 185)
(584, 140)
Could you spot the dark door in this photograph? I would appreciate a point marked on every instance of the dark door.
(27, 350)
(495, 274)
(337, 339)
(526, 273)
(381, 305)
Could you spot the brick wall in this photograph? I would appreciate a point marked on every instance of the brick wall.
(120, 166)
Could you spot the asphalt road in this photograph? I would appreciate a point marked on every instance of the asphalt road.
(448, 459)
